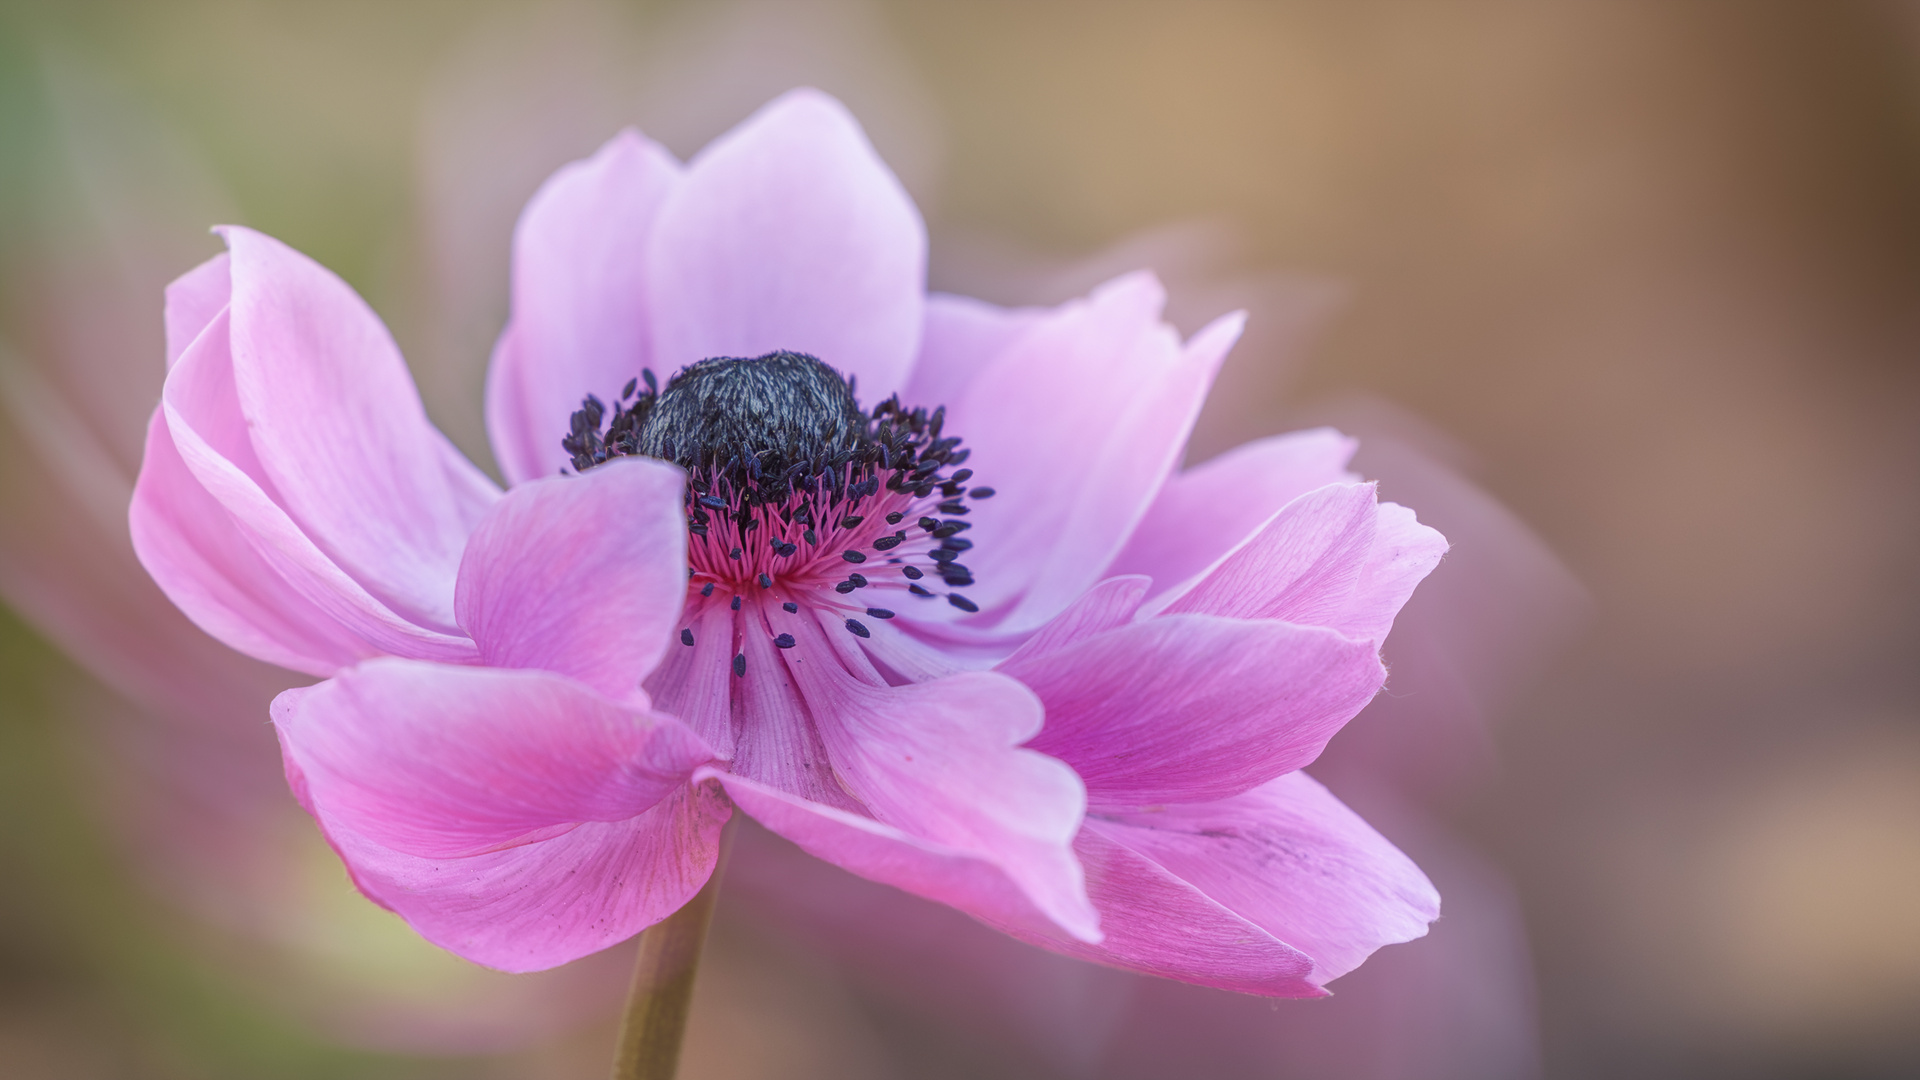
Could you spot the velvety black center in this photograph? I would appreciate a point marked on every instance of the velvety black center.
(778, 411)
(790, 483)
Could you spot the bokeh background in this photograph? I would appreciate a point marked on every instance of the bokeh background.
(1623, 295)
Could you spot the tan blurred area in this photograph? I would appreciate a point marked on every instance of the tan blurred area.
(1646, 272)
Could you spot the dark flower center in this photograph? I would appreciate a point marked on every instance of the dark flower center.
(792, 487)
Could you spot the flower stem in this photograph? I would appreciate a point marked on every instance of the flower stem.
(655, 1022)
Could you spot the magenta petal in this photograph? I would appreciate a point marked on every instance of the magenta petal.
(583, 575)
(880, 852)
(1294, 860)
(1194, 708)
(960, 339)
(1330, 558)
(193, 299)
(1111, 603)
(1404, 553)
(1076, 426)
(200, 407)
(942, 761)
(790, 233)
(340, 433)
(1161, 925)
(440, 761)
(541, 904)
(200, 559)
(1206, 511)
(579, 323)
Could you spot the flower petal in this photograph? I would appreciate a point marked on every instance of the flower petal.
(580, 320)
(201, 560)
(694, 683)
(790, 233)
(1206, 511)
(960, 339)
(1161, 925)
(877, 851)
(340, 434)
(1076, 426)
(941, 761)
(545, 903)
(1194, 708)
(583, 575)
(441, 762)
(1332, 557)
(193, 299)
(1294, 860)
(202, 411)
(1105, 606)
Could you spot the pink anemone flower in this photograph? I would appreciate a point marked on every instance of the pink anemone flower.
(1039, 674)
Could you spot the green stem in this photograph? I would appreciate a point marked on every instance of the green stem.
(655, 1023)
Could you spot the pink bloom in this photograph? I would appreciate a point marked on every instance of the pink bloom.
(1037, 675)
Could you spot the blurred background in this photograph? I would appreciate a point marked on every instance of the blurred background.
(1624, 296)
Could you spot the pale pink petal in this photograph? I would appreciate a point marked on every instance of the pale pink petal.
(1076, 426)
(963, 879)
(201, 408)
(1293, 859)
(1194, 708)
(1206, 511)
(790, 233)
(961, 338)
(694, 682)
(545, 903)
(193, 299)
(583, 575)
(579, 322)
(1404, 553)
(1332, 557)
(340, 433)
(942, 761)
(1105, 606)
(776, 741)
(198, 556)
(1161, 925)
(440, 761)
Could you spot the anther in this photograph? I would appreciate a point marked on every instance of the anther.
(917, 590)
(736, 603)
(686, 636)
(858, 628)
(859, 581)
(880, 613)
(853, 556)
(913, 573)
(962, 602)
(707, 589)
(765, 581)
(981, 493)
(784, 641)
(791, 608)
(739, 665)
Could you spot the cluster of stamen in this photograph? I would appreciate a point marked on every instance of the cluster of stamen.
(793, 489)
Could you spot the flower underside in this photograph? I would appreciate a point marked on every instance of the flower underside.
(795, 494)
